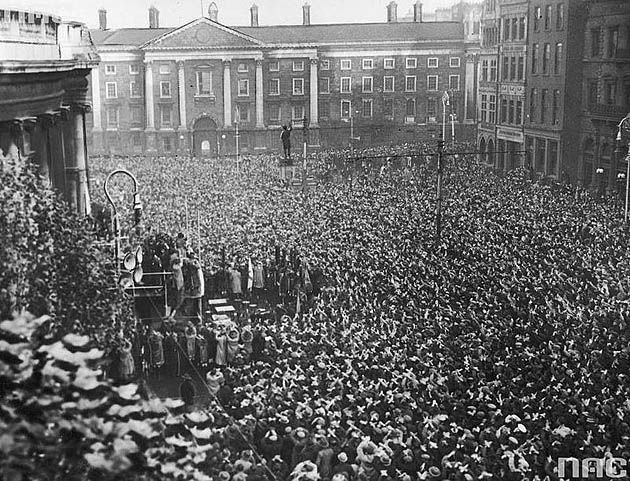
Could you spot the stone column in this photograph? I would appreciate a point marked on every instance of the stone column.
(97, 127)
(149, 95)
(314, 94)
(80, 162)
(227, 94)
(260, 114)
(149, 106)
(183, 123)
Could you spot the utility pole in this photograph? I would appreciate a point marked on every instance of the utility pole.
(438, 204)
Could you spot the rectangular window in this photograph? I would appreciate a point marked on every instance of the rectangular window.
(345, 109)
(368, 84)
(557, 61)
(504, 109)
(165, 89)
(242, 67)
(514, 28)
(368, 64)
(431, 110)
(134, 89)
(274, 66)
(432, 82)
(535, 53)
(274, 112)
(134, 69)
(274, 86)
(546, 58)
(166, 114)
(560, 16)
(111, 90)
(135, 112)
(613, 41)
(410, 83)
(410, 108)
(454, 62)
(242, 113)
(367, 107)
(324, 85)
(165, 69)
(432, 62)
(298, 65)
(547, 17)
(324, 109)
(167, 144)
(453, 82)
(243, 87)
(298, 86)
(555, 107)
(493, 70)
(204, 82)
(389, 63)
(512, 68)
(325, 64)
(112, 117)
(521, 68)
(484, 108)
(537, 18)
(505, 68)
(593, 91)
(388, 84)
(532, 105)
(521, 28)
(346, 85)
(506, 29)
(610, 92)
(388, 107)
(543, 106)
(492, 109)
(346, 64)
(411, 62)
(110, 69)
(596, 46)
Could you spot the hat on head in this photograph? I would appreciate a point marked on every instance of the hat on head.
(224, 476)
(342, 457)
(434, 472)
(187, 376)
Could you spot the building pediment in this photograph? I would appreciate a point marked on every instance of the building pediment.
(202, 33)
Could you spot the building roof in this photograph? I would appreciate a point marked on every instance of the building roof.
(343, 33)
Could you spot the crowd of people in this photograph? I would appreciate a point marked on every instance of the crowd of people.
(488, 353)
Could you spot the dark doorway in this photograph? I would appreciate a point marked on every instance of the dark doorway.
(205, 137)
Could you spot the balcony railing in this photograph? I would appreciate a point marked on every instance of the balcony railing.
(614, 112)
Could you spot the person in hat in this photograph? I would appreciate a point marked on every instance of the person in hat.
(270, 444)
(187, 390)
(214, 381)
(342, 466)
(324, 457)
(279, 467)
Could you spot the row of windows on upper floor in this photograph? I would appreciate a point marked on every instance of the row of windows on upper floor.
(610, 42)
(244, 111)
(543, 18)
(511, 108)
(204, 85)
(513, 66)
(299, 65)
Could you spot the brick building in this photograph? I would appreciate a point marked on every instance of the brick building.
(184, 89)
(605, 92)
(553, 79)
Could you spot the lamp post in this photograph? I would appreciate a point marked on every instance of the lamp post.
(623, 131)
(137, 210)
(599, 172)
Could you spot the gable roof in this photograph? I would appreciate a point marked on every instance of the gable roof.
(201, 33)
(328, 34)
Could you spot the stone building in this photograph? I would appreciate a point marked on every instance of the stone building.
(188, 89)
(605, 91)
(44, 66)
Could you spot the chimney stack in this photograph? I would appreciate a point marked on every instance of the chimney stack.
(392, 12)
(154, 17)
(417, 11)
(213, 12)
(254, 14)
(102, 19)
(306, 14)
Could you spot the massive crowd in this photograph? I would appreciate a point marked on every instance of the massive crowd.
(488, 354)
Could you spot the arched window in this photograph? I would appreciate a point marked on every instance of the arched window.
(482, 148)
(491, 152)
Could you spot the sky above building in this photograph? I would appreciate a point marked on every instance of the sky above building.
(134, 13)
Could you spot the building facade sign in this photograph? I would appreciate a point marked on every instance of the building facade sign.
(512, 90)
(512, 135)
